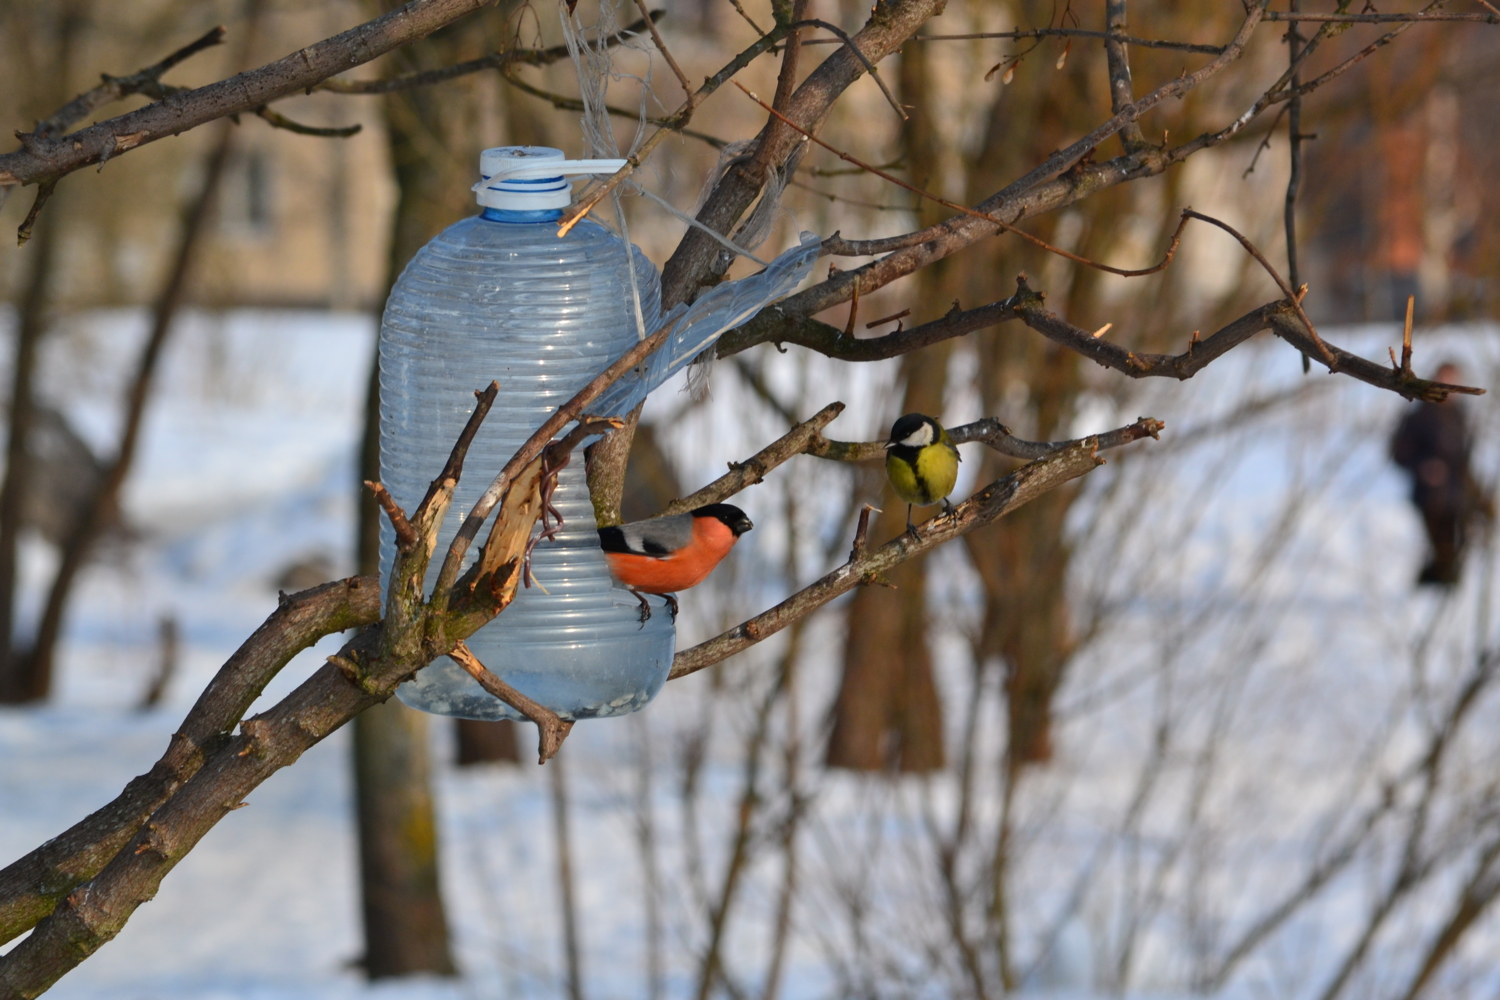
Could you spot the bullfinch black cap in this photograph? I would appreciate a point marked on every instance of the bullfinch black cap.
(734, 518)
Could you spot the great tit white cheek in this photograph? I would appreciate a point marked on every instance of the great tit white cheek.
(919, 438)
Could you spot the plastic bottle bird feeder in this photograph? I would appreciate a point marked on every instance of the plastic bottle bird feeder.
(499, 296)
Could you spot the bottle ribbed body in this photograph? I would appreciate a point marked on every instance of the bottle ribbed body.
(541, 316)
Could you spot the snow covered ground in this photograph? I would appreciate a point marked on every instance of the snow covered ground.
(246, 470)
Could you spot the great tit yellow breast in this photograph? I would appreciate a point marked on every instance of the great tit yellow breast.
(923, 476)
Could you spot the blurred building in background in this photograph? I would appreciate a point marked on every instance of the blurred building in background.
(1398, 184)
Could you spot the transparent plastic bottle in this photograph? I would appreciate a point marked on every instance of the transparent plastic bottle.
(499, 296)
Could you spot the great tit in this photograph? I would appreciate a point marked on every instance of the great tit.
(921, 462)
(662, 555)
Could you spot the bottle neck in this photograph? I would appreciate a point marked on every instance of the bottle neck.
(515, 216)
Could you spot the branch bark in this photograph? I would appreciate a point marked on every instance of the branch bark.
(45, 157)
(33, 885)
(991, 503)
(889, 26)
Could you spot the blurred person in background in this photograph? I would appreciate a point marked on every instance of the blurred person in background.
(1432, 444)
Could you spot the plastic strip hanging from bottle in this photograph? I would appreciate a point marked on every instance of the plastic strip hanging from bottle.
(700, 325)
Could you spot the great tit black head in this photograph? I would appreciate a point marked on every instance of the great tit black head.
(915, 430)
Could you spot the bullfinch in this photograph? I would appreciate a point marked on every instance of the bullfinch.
(921, 462)
(662, 555)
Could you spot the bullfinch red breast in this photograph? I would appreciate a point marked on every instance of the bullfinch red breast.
(662, 555)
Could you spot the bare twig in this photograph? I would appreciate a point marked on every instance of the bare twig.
(1118, 57)
(146, 81)
(741, 10)
(279, 120)
(862, 533)
(1149, 43)
(551, 729)
(892, 318)
(1411, 302)
(495, 60)
(454, 467)
(753, 470)
(406, 535)
(1294, 298)
(1373, 18)
(649, 20)
(43, 194)
(991, 503)
(1294, 42)
(55, 156)
(869, 66)
(1006, 226)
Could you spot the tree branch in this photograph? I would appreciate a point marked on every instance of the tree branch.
(889, 26)
(43, 158)
(772, 325)
(33, 885)
(494, 60)
(146, 81)
(1024, 33)
(993, 502)
(753, 470)
(551, 730)
(1118, 59)
(991, 432)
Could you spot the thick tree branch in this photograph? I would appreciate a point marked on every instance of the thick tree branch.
(773, 325)
(43, 158)
(889, 26)
(114, 88)
(33, 885)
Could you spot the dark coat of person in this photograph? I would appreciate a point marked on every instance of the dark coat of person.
(1432, 444)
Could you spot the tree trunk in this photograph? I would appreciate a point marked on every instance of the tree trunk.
(484, 742)
(406, 931)
(434, 153)
(16, 684)
(888, 714)
(34, 668)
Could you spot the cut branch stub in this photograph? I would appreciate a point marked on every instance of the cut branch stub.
(429, 514)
